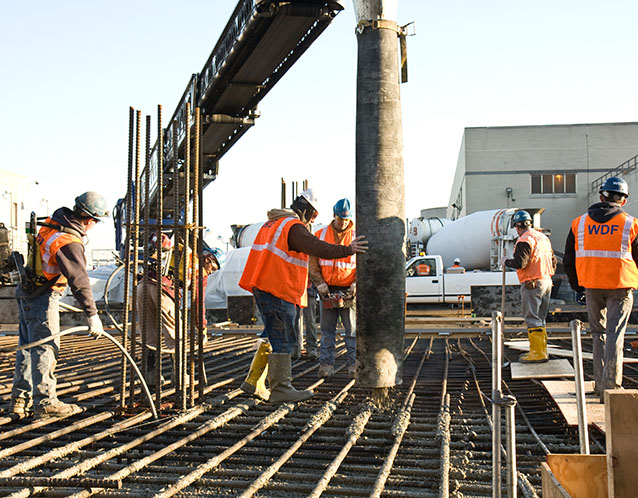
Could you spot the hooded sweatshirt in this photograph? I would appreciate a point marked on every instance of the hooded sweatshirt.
(601, 212)
(72, 261)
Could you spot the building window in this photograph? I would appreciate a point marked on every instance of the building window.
(557, 183)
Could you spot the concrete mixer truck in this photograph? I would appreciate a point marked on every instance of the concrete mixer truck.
(478, 240)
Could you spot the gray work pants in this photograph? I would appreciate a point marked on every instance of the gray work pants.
(608, 312)
(328, 324)
(310, 325)
(35, 367)
(535, 303)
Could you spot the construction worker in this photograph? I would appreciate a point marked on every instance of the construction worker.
(163, 258)
(56, 259)
(336, 277)
(276, 272)
(456, 267)
(535, 264)
(601, 260)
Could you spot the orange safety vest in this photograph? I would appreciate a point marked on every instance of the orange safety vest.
(423, 269)
(338, 272)
(603, 252)
(49, 242)
(272, 267)
(540, 258)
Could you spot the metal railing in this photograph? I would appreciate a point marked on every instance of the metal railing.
(627, 167)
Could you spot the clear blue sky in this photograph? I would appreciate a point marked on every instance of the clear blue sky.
(71, 69)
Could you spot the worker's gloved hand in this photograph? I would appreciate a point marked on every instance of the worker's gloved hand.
(353, 289)
(580, 298)
(95, 326)
(503, 259)
(323, 290)
(359, 244)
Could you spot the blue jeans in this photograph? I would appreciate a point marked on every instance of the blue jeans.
(33, 376)
(328, 324)
(281, 321)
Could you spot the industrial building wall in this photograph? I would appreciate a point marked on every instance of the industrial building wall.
(19, 195)
(548, 167)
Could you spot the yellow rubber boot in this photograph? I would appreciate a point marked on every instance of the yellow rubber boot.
(537, 346)
(255, 382)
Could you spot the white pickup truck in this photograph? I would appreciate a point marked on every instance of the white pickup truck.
(427, 281)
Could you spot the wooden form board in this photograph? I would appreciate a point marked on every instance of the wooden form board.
(564, 394)
(621, 409)
(555, 351)
(548, 370)
(582, 476)
(551, 487)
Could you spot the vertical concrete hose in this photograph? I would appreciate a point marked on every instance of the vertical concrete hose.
(84, 328)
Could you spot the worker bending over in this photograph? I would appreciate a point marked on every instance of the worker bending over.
(601, 259)
(336, 277)
(276, 272)
(163, 262)
(56, 259)
(535, 264)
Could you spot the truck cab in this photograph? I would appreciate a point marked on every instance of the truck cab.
(424, 282)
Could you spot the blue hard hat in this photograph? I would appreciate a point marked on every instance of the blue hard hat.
(520, 216)
(217, 254)
(614, 185)
(342, 209)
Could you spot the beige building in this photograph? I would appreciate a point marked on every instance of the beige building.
(555, 167)
(19, 196)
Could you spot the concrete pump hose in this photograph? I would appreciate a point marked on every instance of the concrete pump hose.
(84, 328)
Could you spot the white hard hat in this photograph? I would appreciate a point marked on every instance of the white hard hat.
(457, 261)
(309, 195)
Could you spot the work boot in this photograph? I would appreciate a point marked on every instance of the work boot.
(56, 408)
(537, 346)
(280, 378)
(325, 371)
(21, 406)
(255, 382)
(313, 354)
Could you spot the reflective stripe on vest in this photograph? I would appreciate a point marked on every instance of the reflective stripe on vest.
(272, 267)
(50, 241)
(338, 272)
(603, 252)
(540, 264)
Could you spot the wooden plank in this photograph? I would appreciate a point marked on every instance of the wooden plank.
(564, 394)
(556, 351)
(621, 407)
(551, 486)
(582, 476)
(548, 370)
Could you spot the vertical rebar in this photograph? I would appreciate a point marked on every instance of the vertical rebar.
(177, 255)
(186, 261)
(159, 273)
(496, 408)
(583, 431)
(510, 429)
(197, 270)
(136, 234)
(283, 194)
(203, 381)
(127, 253)
(147, 233)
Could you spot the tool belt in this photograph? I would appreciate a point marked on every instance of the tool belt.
(531, 284)
(338, 300)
